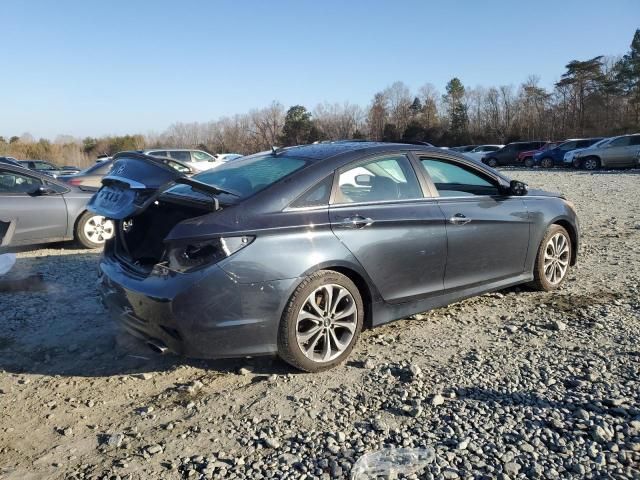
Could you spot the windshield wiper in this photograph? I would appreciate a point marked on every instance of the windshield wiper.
(204, 187)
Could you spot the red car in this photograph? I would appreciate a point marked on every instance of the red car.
(527, 156)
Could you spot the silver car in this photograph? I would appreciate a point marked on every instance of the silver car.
(197, 159)
(619, 152)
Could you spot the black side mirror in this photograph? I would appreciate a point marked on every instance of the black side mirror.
(45, 190)
(518, 188)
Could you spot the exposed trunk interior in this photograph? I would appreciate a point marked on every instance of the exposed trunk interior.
(140, 241)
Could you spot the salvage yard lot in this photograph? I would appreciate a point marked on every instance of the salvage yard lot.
(545, 385)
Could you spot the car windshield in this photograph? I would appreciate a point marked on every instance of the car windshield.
(602, 142)
(246, 176)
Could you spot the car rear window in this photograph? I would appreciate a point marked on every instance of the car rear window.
(247, 176)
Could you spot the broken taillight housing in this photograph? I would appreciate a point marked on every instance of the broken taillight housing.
(185, 258)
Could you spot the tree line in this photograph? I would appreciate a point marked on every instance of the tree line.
(594, 97)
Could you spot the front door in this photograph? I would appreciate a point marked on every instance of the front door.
(26, 216)
(380, 214)
(487, 231)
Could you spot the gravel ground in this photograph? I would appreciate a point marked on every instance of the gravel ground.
(515, 384)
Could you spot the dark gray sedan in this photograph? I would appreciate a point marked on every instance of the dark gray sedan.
(294, 251)
(36, 208)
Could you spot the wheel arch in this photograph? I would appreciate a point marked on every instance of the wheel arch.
(573, 235)
(365, 288)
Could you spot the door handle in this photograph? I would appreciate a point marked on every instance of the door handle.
(459, 219)
(357, 221)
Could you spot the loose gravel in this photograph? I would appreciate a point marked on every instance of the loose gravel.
(512, 384)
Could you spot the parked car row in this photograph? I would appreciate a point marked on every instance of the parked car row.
(588, 153)
(41, 203)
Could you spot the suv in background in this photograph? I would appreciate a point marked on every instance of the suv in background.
(508, 155)
(197, 159)
(569, 157)
(552, 157)
(620, 152)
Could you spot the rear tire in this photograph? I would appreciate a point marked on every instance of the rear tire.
(546, 162)
(591, 163)
(553, 259)
(93, 230)
(321, 322)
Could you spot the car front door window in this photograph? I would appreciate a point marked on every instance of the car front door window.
(452, 179)
(12, 183)
(202, 157)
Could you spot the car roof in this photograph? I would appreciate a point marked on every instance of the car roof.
(321, 151)
(164, 149)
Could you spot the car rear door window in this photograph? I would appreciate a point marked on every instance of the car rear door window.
(159, 153)
(316, 196)
(383, 179)
(453, 179)
(635, 140)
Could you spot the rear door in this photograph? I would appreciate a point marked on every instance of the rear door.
(27, 216)
(379, 212)
(487, 230)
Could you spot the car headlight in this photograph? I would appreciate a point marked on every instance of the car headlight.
(185, 258)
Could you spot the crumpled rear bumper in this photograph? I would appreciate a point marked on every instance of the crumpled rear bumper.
(204, 314)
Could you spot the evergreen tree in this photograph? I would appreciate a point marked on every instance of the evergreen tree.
(458, 119)
(298, 127)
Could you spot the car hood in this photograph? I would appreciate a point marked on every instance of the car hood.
(543, 193)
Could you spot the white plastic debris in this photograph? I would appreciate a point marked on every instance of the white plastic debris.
(388, 463)
(7, 261)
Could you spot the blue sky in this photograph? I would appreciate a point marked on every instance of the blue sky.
(113, 67)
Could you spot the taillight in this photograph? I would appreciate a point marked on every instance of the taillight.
(197, 255)
(74, 181)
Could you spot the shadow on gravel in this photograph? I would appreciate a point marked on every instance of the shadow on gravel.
(531, 399)
(59, 326)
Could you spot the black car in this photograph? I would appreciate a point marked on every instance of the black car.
(10, 161)
(508, 155)
(295, 250)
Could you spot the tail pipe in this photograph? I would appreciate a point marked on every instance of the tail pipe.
(158, 347)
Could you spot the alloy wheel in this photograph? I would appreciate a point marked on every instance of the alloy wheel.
(326, 323)
(590, 164)
(98, 229)
(556, 258)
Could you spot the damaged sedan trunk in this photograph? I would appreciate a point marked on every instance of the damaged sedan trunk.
(137, 195)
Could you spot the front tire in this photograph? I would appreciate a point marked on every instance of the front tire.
(492, 162)
(591, 163)
(93, 230)
(321, 322)
(546, 162)
(528, 162)
(553, 259)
